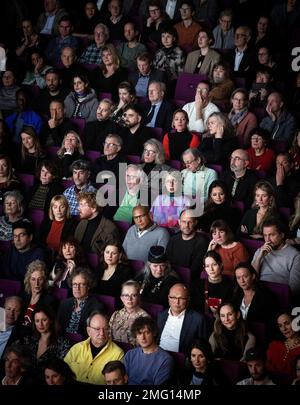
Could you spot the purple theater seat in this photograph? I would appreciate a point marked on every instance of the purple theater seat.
(79, 124)
(186, 86)
(93, 260)
(92, 155)
(184, 274)
(59, 293)
(134, 159)
(8, 288)
(152, 309)
(251, 245)
(108, 301)
(36, 216)
(282, 292)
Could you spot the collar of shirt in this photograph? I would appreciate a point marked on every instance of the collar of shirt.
(179, 316)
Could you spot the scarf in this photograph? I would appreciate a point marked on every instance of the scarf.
(236, 118)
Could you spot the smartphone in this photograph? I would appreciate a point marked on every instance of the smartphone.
(214, 302)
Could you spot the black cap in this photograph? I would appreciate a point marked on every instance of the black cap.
(255, 353)
(23, 224)
(157, 254)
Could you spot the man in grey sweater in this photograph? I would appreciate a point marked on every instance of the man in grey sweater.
(144, 234)
(276, 261)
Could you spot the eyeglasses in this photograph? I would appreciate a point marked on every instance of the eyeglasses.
(149, 151)
(256, 138)
(79, 285)
(129, 296)
(108, 144)
(177, 298)
(20, 235)
(190, 162)
(105, 330)
(140, 216)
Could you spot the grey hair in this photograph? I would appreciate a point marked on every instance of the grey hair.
(162, 85)
(19, 199)
(105, 29)
(116, 137)
(142, 175)
(196, 154)
(160, 155)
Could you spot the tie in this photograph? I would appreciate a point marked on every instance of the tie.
(150, 114)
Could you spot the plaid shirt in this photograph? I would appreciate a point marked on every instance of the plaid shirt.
(71, 196)
(92, 55)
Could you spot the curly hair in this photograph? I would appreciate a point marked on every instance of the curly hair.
(36, 265)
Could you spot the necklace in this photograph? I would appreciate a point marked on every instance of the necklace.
(291, 344)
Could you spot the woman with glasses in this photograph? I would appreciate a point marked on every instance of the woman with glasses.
(242, 120)
(121, 320)
(157, 277)
(114, 270)
(73, 312)
(260, 156)
(167, 207)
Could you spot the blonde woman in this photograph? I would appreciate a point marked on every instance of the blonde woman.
(109, 74)
(263, 208)
(71, 149)
(121, 320)
(31, 151)
(59, 224)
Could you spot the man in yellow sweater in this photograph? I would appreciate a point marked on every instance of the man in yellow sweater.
(88, 358)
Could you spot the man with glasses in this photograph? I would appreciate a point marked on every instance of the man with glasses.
(241, 59)
(143, 234)
(22, 252)
(187, 29)
(224, 32)
(179, 325)
(239, 179)
(109, 161)
(93, 53)
(88, 358)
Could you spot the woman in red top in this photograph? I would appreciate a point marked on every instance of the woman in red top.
(176, 142)
(282, 354)
(260, 156)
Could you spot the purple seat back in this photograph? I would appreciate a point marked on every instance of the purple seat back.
(251, 245)
(152, 309)
(93, 260)
(79, 124)
(92, 155)
(8, 288)
(184, 274)
(36, 216)
(282, 292)
(60, 293)
(108, 301)
(134, 159)
(186, 86)
(175, 164)
(232, 371)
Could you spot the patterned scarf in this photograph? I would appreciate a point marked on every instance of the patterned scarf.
(236, 118)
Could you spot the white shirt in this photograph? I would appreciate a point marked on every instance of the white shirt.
(171, 333)
(47, 29)
(170, 8)
(199, 125)
(238, 58)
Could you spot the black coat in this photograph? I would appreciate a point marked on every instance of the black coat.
(164, 116)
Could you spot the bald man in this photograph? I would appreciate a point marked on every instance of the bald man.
(179, 325)
(239, 179)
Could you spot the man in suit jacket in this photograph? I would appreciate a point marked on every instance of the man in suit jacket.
(157, 111)
(145, 75)
(241, 59)
(179, 326)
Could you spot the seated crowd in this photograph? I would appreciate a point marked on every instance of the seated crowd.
(149, 226)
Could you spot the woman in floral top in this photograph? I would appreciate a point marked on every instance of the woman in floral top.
(121, 321)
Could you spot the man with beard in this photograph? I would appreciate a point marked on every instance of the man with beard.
(239, 179)
(52, 91)
(134, 135)
(95, 132)
(256, 363)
